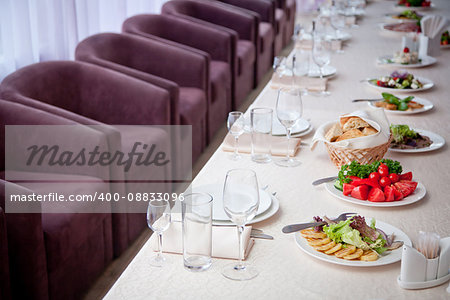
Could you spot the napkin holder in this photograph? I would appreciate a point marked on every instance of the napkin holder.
(429, 46)
(418, 272)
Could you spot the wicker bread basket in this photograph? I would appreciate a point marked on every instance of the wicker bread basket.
(341, 156)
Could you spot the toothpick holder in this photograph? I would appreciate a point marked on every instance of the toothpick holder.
(418, 272)
(429, 47)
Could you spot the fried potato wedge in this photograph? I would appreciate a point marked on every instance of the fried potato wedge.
(319, 242)
(346, 251)
(355, 255)
(326, 246)
(334, 249)
(369, 255)
(311, 233)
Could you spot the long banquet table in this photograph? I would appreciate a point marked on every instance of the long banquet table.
(285, 271)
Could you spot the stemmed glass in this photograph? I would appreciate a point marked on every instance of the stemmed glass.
(321, 56)
(289, 110)
(240, 202)
(337, 22)
(235, 124)
(158, 219)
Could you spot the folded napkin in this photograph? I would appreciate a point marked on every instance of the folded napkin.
(430, 38)
(225, 243)
(375, 117)
(311, 84)
(278, 144)
(307, 44)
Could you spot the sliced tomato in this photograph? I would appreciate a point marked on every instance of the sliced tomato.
(376, 195)
(353, 177)
(389, 193)
(406, 176)
(406, 187)
(348, 188)
(397, 194)
(360, 192)
(367, 181)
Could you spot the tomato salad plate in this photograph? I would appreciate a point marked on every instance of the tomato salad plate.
(357, 242)
(400, 82)
(379, 184)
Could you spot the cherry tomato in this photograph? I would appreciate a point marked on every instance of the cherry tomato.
(383, 170)
(394, 177)
(385, 181)
(374, 176)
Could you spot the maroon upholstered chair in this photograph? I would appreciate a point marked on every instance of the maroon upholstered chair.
(280, 27)
(289, 7)
(184, 74)
(212, 43)
(242, 28)
(91, 95)
(266, 34)
(53, 255)
(5, 291)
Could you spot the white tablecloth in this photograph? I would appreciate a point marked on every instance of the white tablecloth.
(285, 271)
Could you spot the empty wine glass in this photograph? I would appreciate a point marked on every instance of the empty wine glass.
(240, 202)
(235, 124)
(289, 110)
(158, 219)
(321, 56)
(337, 22)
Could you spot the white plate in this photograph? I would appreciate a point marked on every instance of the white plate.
(426, 61)
(427, 84)
(300, 127)
(437, 142)
(328, 71)
(445, 46)
(427, 105)
(344, 36)
(390, 18)
(259, 218)
(416, 8)
(389, 258)
(394, 32)
(216, 190)
(418, 194)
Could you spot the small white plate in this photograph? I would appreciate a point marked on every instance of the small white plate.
(437, 142)
(344, 36)
(427, 84)
(426, 61)
(427, 105)
(215, 190)
(390, 18)
(385, 27)
(418, 194)
(259, 218)
(388, 258)
(300, 127)
(328, 71)
(445, 46)
(416, 8)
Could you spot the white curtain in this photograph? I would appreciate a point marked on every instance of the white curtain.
(40, 30)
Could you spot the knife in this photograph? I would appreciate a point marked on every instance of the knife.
(261, 236)
(323, 180)
(368, 100)
(298, 227)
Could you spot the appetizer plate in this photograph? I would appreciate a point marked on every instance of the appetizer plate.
(215, 190)
(258, 218)
(427, 105)
(385, 27)
(389, 258)
(391, 19)
(328, 71)
(416, 8)
(418, 194)
(427, 84)
(300, 127)
(437, 142)
(343, 36)
(426, 61)
(445, 46)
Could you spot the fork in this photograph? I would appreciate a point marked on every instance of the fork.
(297, 227)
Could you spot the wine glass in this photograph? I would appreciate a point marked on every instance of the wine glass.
(158, 219)
(235, 124)
(240, 202)
(337, 22)
(289, 110)
(321, 56)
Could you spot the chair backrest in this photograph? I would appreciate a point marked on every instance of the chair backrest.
(5, 289)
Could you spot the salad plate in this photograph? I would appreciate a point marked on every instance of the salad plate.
(328, 71)
(343, 36)
(437, 142)
(427, 105)
(392, 257)
(427, 84)
(399, 28)
(416, 8)
(274, 207)
(386, 60)
(417, 195)
(215, 190)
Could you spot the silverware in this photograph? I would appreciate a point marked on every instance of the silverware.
(298, 227)
(368, 100)
(261, 236)
(323, 180)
